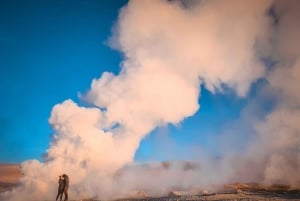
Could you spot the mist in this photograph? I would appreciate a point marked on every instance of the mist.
(170, 50)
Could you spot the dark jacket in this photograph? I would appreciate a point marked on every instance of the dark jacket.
(61, 185)
(66, 181)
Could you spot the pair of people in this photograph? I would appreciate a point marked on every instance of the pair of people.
(63, 186)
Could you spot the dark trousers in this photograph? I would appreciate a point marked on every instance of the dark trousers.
(66, 194)
(59, 194)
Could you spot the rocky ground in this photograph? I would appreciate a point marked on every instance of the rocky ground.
(223, 197)
(9, 175)
(240, 196)
(232, 192)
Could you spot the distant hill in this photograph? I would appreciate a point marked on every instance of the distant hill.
(9, 176)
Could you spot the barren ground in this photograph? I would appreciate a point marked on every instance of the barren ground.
(9, 175)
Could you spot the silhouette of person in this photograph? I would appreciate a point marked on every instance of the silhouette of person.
(66, 187)
(61, 187)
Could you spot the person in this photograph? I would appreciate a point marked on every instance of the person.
(66, 186)
(61, 187)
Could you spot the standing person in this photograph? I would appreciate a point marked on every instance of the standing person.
(61, 187)
(66, 187)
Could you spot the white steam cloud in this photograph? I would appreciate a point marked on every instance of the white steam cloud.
(280, 133)
(170, 49)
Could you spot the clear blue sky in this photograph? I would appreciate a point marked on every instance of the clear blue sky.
(50, 51)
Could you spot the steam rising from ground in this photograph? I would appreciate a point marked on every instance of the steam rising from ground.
(171, 49)
(280, 133)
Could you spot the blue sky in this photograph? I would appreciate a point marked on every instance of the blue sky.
(50, 51)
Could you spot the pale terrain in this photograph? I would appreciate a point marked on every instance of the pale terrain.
(10, 174)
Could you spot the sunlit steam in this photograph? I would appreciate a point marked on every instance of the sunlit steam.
(170, 50)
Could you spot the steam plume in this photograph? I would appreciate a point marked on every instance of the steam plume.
(280, 132)
(170, 49)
